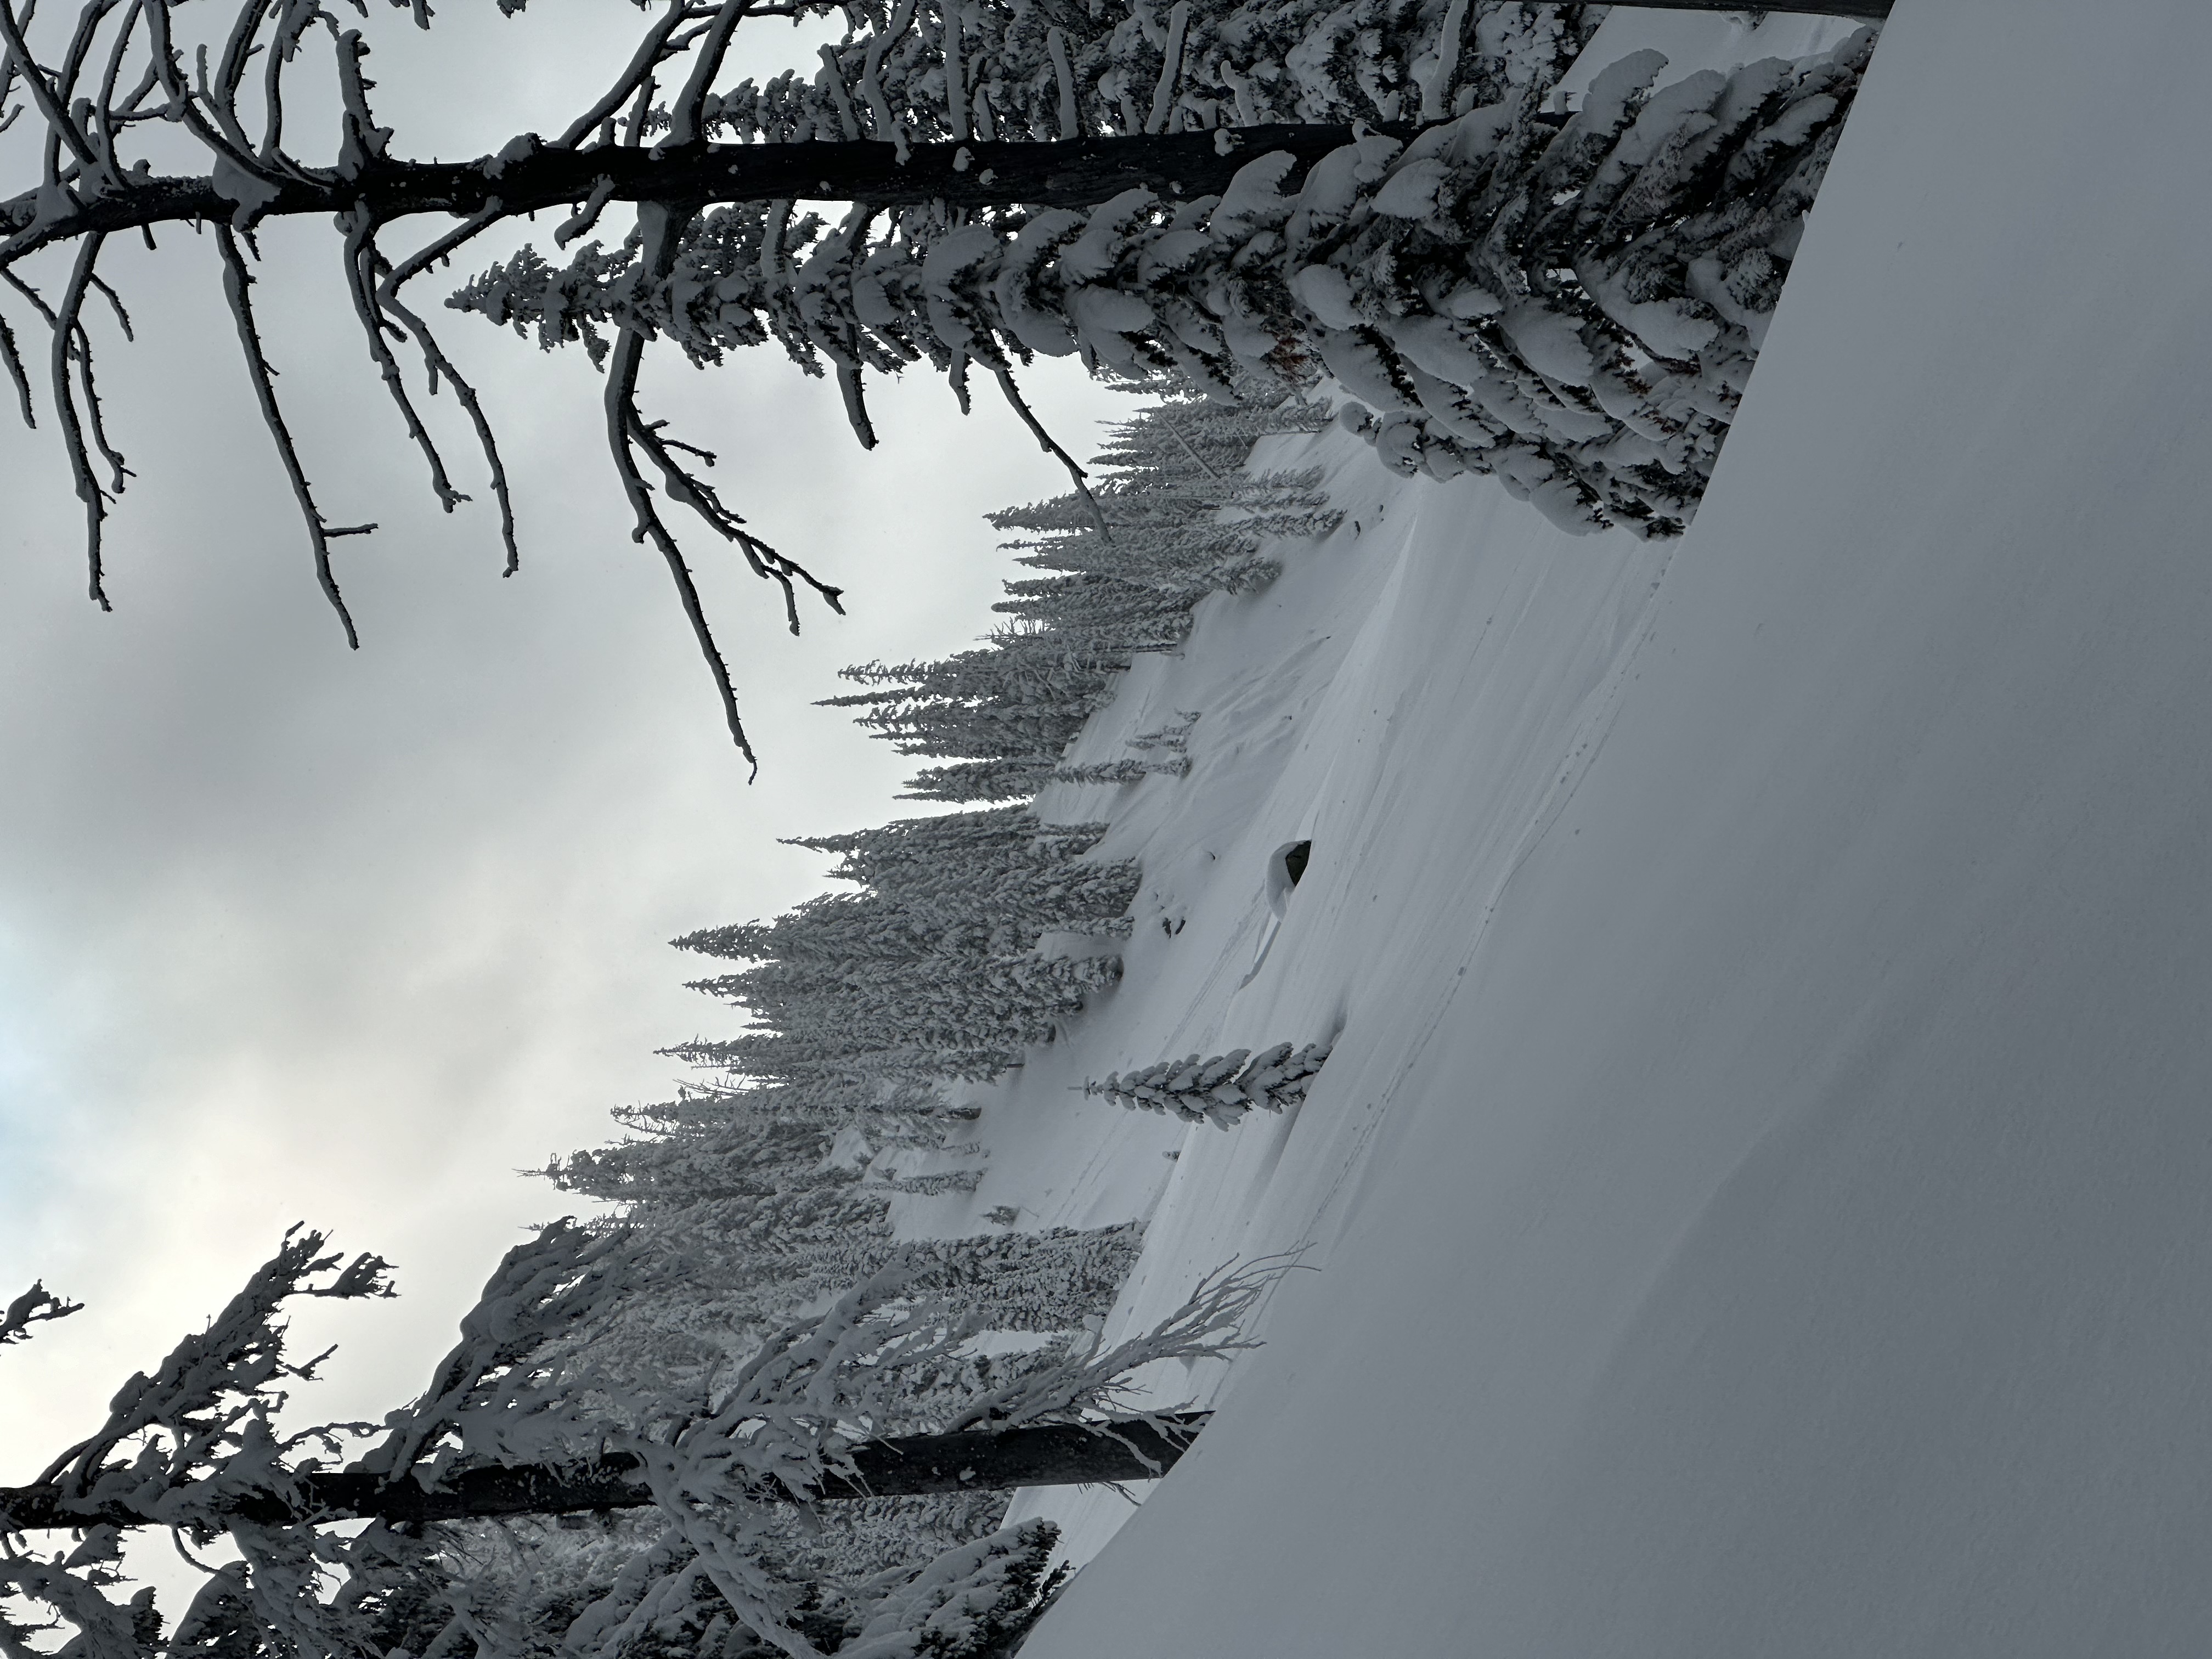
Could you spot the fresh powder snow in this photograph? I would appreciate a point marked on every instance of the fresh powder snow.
(1757, 1202)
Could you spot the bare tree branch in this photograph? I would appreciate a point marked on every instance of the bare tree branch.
(27, 1309)
(360, 263)
(66, 413)
(651, 52)
(12, 360)
(95, 416)
(441, 366)
(45, 95)
(1047, 443)
(622, 421)
(236, 280)
(680, 484)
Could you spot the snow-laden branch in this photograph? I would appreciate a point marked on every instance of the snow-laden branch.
(501, 1393)
(36, 1304)
(1232, 193)
(203, 1424)
(202, 1419)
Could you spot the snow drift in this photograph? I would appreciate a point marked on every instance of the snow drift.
(1759, 1185)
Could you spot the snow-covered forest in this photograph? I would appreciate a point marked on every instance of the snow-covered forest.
(772, 1180)
(746, 1226)
(1676, 886)
(1591, 284)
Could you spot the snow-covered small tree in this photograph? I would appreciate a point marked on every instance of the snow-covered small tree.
(1220, 1089)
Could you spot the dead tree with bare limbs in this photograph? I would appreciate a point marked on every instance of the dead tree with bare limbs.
(1235, 193)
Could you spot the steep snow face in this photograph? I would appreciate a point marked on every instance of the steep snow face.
(1760, 1187)
(1689, 40)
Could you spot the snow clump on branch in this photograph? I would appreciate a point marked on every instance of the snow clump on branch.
(1057, 71)
(1572, 304)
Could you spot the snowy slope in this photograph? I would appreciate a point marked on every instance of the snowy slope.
(1761, 1188)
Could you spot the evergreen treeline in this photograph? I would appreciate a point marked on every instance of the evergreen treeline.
(764, 1185)
(738, 1316)
(1177, 517)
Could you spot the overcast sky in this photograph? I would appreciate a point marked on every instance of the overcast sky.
(288, 933)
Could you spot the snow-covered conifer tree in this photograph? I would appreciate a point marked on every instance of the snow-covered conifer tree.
(1218, 1089)
(1568, 300)
(722, 1470)
(1571, 301)
(1182, 518)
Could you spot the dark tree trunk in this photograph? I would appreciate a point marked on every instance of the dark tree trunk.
(1055, 1454)
(1071, 172)
(1077, 172)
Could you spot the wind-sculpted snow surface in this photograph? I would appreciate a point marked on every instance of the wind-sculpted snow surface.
(1761, 1186)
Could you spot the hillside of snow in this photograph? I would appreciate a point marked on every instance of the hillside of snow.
(1759, 1197)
